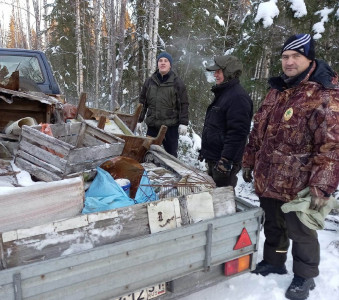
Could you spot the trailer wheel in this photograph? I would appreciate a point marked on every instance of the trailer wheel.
(28, 85)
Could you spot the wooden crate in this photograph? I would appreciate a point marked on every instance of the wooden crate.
(74, 148)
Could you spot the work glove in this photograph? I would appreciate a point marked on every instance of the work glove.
(317, 202)
(224, 166)
(139, 128)
(247, 174)
(182, 129)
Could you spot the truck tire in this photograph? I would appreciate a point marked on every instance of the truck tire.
(28, 85)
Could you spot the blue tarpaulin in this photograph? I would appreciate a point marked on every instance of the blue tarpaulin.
(105, 194)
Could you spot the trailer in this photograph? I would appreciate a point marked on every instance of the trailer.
(163, 249)
(168, 264)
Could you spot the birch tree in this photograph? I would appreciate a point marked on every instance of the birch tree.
(36, 8)
(45, 22)
(121, 43)
(113, 55)
(79, 54)
(29, 34)
(97, 32)
(153, 21)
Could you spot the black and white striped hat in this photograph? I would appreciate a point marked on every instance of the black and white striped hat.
(302, 43)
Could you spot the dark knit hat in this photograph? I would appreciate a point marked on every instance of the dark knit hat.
(166, 55)
(302, 43)
(229, 64)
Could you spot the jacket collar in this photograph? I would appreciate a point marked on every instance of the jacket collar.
(218, 88)
(318, 71)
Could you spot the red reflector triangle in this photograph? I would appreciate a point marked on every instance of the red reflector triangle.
(243, 241)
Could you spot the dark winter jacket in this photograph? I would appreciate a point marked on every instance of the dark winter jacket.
(165, 100)
(227, 123)
(294, 143)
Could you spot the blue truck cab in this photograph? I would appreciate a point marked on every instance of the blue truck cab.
(35, 72)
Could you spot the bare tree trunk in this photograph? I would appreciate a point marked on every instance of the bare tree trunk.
(29, 33)
(79, 55)
(151, 7)
(141, 29)
(45, 23)
(113, 41)
(107, 15)
(37, 23)
(22, 36)
(97, 24)
(121, 41)
(155, 34)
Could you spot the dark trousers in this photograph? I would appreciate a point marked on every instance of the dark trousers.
(278, 229)
(170, 141)
(221, 179)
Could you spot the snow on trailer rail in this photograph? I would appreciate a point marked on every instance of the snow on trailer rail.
(187, 258)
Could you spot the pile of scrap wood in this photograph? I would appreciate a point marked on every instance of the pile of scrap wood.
(64, 155)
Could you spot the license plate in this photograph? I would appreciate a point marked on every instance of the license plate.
(147, 293)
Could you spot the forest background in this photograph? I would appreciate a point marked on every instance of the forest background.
(107, 48)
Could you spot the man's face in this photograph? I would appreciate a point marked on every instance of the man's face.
(164, 65)
(293, 63)
(219, 76)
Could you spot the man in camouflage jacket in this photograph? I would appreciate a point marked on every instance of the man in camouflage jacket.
(294, 144)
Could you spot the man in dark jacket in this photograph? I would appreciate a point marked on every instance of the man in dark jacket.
(164, 98)
(294, 145)
(227, 122)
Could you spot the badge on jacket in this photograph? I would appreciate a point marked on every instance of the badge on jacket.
(288, 114)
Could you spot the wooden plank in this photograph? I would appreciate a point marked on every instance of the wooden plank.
(42, 139)
(101, 122)
(36, 171)
(131, 120)
(89, 140)
(81, 110)
(72, 235)
(81, 134)
(65, 130)
(41, 154)
(122, 125)
(80, 155)
(37, 204)
(102, 135)
(38, 162)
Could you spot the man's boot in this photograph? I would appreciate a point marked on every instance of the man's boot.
(264, 268)
(299, 288)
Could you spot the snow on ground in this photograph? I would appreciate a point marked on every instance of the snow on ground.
(272, 287)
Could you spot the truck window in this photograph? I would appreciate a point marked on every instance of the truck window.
(27, 66)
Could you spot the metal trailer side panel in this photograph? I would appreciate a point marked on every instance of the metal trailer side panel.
(120, 268)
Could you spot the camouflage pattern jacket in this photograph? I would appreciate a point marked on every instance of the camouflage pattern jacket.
(295, 139)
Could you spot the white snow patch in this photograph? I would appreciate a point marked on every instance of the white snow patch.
(267, 11)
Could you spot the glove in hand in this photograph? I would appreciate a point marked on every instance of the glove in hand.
(224, 166)
(317, 202)
(247, 174)
(182, 129)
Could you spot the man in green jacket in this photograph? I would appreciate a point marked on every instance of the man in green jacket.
(165, 102)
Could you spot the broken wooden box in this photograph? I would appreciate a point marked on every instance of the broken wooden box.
(74, 148)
